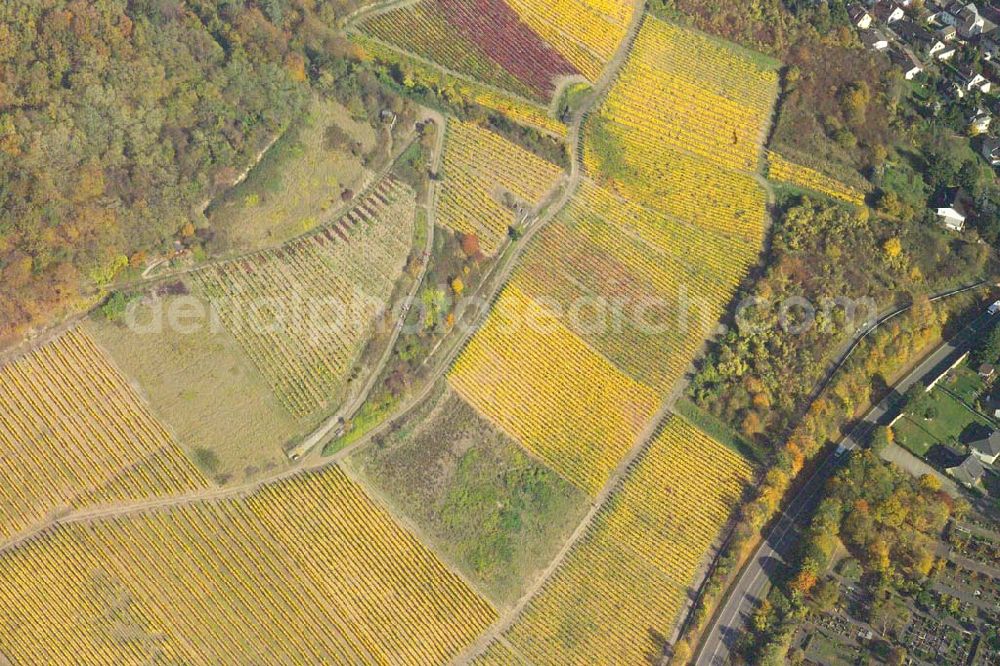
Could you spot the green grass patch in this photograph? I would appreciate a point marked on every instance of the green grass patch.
(298, 182)
(966, 384)
(719, 430)
(572, 98)
(950, 420)
(784, 193)
(486, 506)
(372, 413)
(609, 150)
(901, 176)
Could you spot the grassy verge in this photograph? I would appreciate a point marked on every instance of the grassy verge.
(371, 414)
(719, 430)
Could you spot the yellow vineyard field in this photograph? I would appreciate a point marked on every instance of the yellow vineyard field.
(627, 580)
(481, 169)
(585, 32)
(786, 171)
(544, 386)
(698, 161)
(306, 571)
(74, 433)
(303, 312)
(638, 288)
(519, 111)
(639, 267)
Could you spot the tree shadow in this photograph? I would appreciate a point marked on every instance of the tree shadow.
(973, 432)
(943, 457)
(658, 647)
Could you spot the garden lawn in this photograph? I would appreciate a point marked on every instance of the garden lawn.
(919, 434)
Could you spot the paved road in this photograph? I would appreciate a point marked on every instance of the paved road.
(850, 346)
(755, 579)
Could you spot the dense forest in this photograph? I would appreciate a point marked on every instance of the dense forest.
(120, 120)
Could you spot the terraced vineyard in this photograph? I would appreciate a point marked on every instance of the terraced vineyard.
(627, 580)
(630, 278)
(303, 312)
(610, 303)
(697, 162)
(481, 169)
(544, 386)
(484, 39)
(308, 570)
(523, 46)
(73, 433)
(786, 171)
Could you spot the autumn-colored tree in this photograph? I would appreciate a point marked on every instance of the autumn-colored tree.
(803, 582)
(930, 483)
(854, 99)
(892, 247)
(751, 424)
(470, 245)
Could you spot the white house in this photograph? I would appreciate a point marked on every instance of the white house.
(860, 16)
(905, 60)
(875, 40)
(947, 33)
(888, 12)
(991, 150)
(987, 450)
(970, 22)
(973, 80)
(979, 122)
(955, 209)
(947, 53)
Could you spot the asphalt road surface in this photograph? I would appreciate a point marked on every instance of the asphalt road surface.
(755, 579)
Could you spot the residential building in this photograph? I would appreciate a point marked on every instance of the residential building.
(888, 12)
(973, 80)
(905, 60)
(874, 39)
(979, 122)
(860, 16)
(947, 34)
(947, 53)
(987, 450)
(969, 473)
(968, 22)
(917, 36)
(991, 150)
(955, 209)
